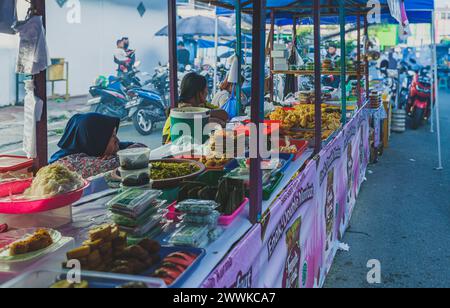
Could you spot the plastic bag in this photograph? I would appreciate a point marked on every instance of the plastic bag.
(231, 105)
(8, 16)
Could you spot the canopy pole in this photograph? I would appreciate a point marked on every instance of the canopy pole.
(40, 84)
(343, 62)
(271, 42)
(239, 54)
(366, 57)
(257, 110)
(216, 53)
(318, 78)
(294, 36)
(358, 64)
(173, 61)
(436, 89)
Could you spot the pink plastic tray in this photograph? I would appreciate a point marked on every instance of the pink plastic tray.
(16, 207)
(227, 220)
(223, 220)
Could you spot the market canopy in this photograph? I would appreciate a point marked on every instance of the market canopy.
(200, 26)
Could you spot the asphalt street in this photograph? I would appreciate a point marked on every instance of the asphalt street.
(402, 218)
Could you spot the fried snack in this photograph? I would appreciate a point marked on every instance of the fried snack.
(102, 232)
(41, 239)
(79, 253)
(64, 284)
(54, 180)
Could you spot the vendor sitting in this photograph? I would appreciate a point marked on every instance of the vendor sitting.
(194, 93)
(89, 145)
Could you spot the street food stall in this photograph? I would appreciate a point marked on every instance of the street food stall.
(190, 219)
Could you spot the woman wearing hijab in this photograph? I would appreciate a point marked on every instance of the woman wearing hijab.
(89, 144)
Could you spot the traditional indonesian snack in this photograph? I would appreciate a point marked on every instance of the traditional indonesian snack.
(65, 284)
(210, 220)
(191, 235)
(197, 207)
(107, 250)
(214, 162)
(134, 201)
(54, 180)
(174, 265)
(41, 239)
(163, 170)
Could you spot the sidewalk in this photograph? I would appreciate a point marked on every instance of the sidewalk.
(402, 217)
(11, 119)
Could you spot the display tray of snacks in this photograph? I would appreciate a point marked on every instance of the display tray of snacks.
(14, 199)
(167, 173)
(213, 163)
(58, 280)
(294, 147)
(27, 244)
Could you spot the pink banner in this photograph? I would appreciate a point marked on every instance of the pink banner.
(295, 244)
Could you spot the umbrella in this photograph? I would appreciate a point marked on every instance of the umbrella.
(198, 25)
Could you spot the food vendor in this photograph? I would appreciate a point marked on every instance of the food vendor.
(194, 93)
(89, 144)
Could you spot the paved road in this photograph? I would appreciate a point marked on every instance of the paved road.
(402, 217)
(11, 128)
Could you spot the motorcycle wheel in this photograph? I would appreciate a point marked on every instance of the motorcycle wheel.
(143, 123)
(417, 118)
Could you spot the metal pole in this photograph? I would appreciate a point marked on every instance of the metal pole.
(366, 57)
(257, 113)
(358, 65)
(436, 89)
(271, 38)
(173, 61)
(40, 84)
(343, 62)
(318, 78)
(216, 52)
(239, 53)
(294, 35)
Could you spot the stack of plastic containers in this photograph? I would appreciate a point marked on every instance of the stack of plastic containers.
(139, 213)
(199, 226)
(134, 167)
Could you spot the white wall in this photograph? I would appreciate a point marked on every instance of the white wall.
(89, 46)
(8, 56)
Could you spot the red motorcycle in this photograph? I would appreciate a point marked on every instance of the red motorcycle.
(419, 106)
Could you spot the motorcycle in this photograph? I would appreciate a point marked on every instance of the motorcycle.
(419, 105)
(125, 98)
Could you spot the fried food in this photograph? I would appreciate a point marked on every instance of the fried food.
(41, 239)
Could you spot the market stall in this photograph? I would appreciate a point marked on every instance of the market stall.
(196, 220)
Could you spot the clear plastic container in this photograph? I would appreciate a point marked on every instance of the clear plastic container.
(197, 207)
(193, 236)
(134, 159)
(127, 221)
(134, 201)
(146, 227)
(210, 220)
(135, 178)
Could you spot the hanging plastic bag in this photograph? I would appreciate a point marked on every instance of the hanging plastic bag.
(33, 52)
(8, 16)
(33, 113)
(231, 105)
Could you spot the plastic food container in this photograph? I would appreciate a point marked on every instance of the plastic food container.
(192, 236)
(135, 178)
(134, 159)
(15, 167)
(46, 278)
(134, 202)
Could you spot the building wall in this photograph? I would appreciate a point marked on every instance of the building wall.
(442, 23)
(88, 46)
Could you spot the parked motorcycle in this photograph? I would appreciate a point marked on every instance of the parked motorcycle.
(125, 98)
(419, 106)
